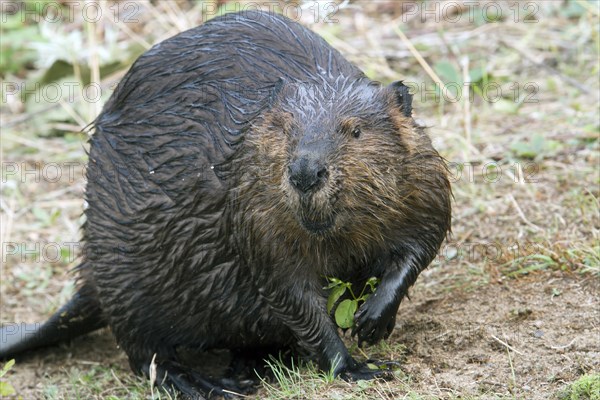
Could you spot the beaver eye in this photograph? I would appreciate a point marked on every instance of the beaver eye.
(356, 133)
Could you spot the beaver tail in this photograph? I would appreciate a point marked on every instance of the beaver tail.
(81, 315)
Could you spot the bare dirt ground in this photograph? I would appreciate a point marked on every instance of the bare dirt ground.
(509, 309)
(518, 338)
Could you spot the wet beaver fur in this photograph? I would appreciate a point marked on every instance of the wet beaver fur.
(235, 167)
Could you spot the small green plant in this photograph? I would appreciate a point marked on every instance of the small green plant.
(344, 311)
(6, 389)
(586, 387)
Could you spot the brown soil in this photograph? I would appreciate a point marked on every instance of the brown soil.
(526, 338)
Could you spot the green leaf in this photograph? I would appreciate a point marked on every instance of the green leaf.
(448, 72)
(344, 314)
(7, 367)
(54, 216)
(333, 282)
(476, 74)
(372, 282)
(334, 296)
(42, 215)
(6, 389)
(538, 143)
(61, 69)
(523, 150)
(546, 260)
(58, 70)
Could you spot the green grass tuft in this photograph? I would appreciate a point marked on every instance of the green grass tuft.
(586, 387)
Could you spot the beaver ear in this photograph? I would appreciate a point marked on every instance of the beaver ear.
(402, 97)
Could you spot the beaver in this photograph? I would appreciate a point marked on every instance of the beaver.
(235, 167)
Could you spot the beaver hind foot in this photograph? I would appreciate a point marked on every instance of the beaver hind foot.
(178, 379)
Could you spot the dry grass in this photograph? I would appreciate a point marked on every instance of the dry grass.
(520, 272)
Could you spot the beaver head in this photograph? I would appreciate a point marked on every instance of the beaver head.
(340, 162)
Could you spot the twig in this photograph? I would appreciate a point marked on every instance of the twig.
(365, 355)
(522, 216)
(134, 36)
(512, 367)
(112, 372)
(72, 113)
(179, 19)
(382, 61)
(506, 345)
(419, 57)
(158, 16)
(21, 140)
(440, 335)
(235, 393)
(467, 100)
(94, 65)
(562, 347)
(7, 219)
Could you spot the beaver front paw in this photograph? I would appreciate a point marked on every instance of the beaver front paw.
(374, 320)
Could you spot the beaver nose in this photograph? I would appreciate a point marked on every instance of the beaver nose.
(306, 175)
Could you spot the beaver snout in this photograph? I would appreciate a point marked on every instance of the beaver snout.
(307, 174)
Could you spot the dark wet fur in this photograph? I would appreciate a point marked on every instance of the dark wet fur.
(195, 236)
